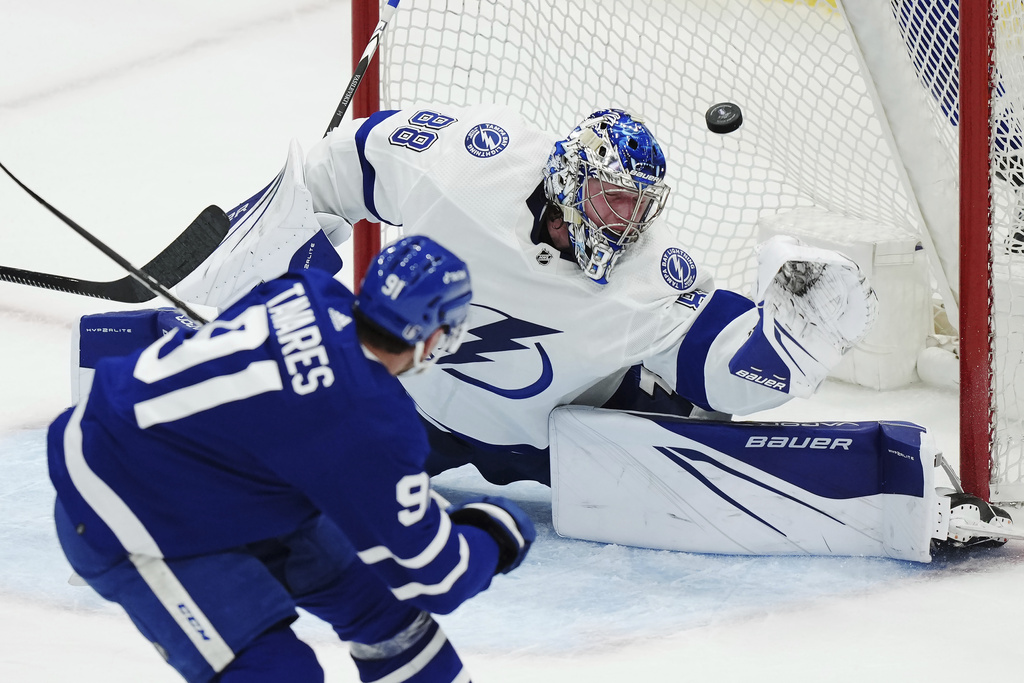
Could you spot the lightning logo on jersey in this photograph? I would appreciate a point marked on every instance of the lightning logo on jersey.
(500, 336)
(486, 140)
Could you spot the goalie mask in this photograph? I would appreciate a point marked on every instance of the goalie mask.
(414, 287)
(608, 178)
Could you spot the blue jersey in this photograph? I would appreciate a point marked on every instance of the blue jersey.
(253, 424)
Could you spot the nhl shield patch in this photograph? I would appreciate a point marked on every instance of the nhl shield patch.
(484, 140)
(678, 268)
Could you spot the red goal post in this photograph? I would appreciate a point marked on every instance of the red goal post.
(365, 15)
(977, 69)
(852, 113)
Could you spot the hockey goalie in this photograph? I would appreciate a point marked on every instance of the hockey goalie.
(600, 357)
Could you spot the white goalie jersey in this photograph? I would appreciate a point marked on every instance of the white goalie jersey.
(540, 334)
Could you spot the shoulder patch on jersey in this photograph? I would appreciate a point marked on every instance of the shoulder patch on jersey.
(484, 140)
(678, 268)
(338, 319)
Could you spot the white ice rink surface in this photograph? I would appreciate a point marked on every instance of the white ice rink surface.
(131, 117)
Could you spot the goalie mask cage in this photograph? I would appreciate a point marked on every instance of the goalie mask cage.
(849, 108)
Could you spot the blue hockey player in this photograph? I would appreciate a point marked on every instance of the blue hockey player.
(217, 479)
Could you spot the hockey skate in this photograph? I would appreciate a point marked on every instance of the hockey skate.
(970, 522)
(271, 233)
(967, 521)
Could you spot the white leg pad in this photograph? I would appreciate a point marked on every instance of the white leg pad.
(654, 481)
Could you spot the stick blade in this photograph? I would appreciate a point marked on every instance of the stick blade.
(186, 253)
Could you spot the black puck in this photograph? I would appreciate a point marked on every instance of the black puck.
(724, 117)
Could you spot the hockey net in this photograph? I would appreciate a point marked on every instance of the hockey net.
(851, 114)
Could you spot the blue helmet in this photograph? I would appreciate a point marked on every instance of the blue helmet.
(414, 287)
(608, 178)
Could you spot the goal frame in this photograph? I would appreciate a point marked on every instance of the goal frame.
(977, 84)
(366, 101)
(977, 87)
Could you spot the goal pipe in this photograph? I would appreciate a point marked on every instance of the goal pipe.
(366, 101)
(977, 75)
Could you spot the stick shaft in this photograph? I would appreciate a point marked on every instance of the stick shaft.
(364, 62)
(146, 280)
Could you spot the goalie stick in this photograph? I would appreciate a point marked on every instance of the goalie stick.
(181, 257)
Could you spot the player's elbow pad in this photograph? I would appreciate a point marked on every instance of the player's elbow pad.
(503, 521)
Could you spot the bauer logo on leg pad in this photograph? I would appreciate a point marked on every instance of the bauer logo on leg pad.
(819, 443)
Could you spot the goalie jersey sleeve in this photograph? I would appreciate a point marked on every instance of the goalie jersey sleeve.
(258, 421)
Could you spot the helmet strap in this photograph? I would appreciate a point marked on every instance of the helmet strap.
(418, 364)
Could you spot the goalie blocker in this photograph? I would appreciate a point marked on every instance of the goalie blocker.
(756, 488)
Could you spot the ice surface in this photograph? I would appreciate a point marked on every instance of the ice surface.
(131, 117)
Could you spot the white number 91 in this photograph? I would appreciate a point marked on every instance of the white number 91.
(413, 494)
(393, 286)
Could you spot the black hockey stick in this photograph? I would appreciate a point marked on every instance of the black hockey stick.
(364, 62)
(170, 266)
(144, 279)
(190, 248)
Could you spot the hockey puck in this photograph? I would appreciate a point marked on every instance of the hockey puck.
(724, 117)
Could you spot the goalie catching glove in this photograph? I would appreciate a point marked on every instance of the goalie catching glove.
(504, 521)
(815, 305)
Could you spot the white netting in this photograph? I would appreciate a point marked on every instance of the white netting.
(1008, 255)
(814, 132)
(930, 29)
(790, 67)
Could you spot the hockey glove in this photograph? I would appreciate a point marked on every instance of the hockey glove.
(504, 521)
(816, 304)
